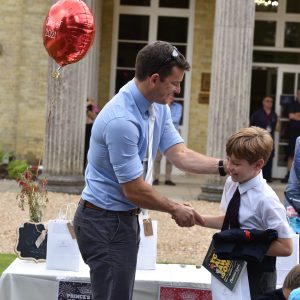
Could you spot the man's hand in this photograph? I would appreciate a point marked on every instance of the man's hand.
(190, 220)
(184, 215)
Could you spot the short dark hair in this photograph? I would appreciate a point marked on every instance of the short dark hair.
(158, 57)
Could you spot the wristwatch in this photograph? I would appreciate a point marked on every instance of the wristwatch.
(221, 168)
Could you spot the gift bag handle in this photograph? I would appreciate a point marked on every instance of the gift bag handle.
(67, 211)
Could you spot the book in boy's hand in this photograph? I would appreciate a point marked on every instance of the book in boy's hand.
(225, 270)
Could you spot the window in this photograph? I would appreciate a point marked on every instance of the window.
(276, 57)
(280, 28)
(292, 35)
(133, 27)
(135, 2)
(264, 33)
(293, 6)
(140, 22)
(174, 3)
(172, 29)
(262, 8)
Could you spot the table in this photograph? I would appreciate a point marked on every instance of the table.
(26, 280)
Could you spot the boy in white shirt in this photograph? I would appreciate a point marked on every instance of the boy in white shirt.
(260, 208)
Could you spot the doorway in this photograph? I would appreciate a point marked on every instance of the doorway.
(281, 83)
(288, 81)
(264, 80)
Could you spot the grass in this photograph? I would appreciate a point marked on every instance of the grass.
(5, 261)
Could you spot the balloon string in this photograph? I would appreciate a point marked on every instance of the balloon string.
(56, 74)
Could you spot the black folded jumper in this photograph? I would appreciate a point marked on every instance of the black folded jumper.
(250, 245)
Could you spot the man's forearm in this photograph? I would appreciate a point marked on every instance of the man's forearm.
(193, 162)
(144, 196)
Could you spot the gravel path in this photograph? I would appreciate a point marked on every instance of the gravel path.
(175, 244)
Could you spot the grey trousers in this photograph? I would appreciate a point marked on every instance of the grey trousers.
(108, 242)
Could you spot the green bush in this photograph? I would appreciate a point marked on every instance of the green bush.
(15, 168)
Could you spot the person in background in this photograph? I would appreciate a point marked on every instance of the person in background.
(288, 290)
(292, 189)
(258, 205)
(176, 113)
(266, 118)
(106, 220)
(91, 113)
(294, 131)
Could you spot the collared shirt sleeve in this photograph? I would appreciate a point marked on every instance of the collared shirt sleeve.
(122, 137)
(274, 217)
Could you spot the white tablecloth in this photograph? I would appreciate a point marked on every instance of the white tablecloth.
(26, 280)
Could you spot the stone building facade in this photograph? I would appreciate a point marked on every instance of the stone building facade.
(24, 61)
(25, 66)
(23, 77)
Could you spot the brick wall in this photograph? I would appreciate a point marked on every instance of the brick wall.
(106, 48)
(23, 77)
(202, 54)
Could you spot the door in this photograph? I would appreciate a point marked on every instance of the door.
(138, 23)
(288, 80)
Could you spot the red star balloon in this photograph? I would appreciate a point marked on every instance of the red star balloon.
(68, 31)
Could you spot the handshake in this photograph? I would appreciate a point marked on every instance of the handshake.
(186, 216)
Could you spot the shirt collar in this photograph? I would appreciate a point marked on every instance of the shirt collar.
(141, 102)
(250, 184)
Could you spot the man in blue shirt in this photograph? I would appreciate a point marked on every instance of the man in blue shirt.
(106, 220)
(176, 113)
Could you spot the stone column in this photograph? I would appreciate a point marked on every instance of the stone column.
(65, 122)
(65, 128)
(229, 100)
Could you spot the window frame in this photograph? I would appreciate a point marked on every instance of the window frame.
(280, 17)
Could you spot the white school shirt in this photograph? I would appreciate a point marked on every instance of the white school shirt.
(260, 206)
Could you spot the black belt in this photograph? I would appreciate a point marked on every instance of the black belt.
(132, 212)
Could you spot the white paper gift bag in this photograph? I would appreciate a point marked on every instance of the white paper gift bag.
(62, 250)
(241, 290)
(285, 263)
(146, 259)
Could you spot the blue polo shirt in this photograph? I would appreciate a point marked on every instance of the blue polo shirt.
(118, 146)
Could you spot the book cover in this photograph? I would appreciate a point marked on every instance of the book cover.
(225, 270)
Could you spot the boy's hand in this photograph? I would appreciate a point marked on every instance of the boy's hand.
(198, 219)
